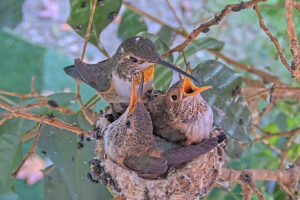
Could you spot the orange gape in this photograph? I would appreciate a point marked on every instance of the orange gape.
(148, 75)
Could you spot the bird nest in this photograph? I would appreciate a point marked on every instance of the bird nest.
(191, 181)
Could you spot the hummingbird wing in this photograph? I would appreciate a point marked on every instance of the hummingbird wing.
(96, 75)
(147, 166)
(189, 153)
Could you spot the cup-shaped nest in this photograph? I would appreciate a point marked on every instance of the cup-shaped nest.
(192, 181)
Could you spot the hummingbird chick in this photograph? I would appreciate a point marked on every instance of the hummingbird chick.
(181, 115)
(129, 141)
(112, 77)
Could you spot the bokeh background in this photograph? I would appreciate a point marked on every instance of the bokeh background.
(35, 40)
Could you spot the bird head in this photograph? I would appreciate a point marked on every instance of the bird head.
(139, 53)
(183, 99)
(138, 123)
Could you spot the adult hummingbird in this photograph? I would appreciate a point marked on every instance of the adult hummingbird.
(112, 77)
(129, 141)
(180, 115)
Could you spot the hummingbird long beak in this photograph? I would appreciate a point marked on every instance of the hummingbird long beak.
(133, 99)
(173, 67)
(189, 89)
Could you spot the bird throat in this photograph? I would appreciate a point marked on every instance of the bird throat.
(148, 75)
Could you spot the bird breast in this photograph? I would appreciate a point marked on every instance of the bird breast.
(200, 128)
(123, 88)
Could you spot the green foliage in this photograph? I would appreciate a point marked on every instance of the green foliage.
(105, 13)
(71, 163)
(131, 24)
(11, 153)
(162, 75)
(10, 13)
(17, 65)
(198, 45)
(230, 111)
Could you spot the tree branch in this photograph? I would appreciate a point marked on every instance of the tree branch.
(50, 121)
(32, 150)
(214, 21)
(295, 47)
(269, 78)
(288, 179)
(140, 12)
(273, 39)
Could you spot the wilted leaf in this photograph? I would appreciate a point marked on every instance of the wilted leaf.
(71, 163)
(198, 45)
(10, 13)
(131, 24)
(162, 75)
(230, 110)
(106, 11)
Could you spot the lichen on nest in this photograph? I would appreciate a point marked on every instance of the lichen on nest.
(192, 181)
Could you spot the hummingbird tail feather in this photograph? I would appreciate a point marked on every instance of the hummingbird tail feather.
(70, 70)
(189, 153)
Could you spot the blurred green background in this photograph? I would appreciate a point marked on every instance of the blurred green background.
(37, 39)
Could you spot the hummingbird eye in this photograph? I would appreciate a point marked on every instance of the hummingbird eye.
(128, 124)
(133, 59)
(174, 97)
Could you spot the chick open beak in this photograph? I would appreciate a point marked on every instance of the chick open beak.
(189, 89)
(133, 99)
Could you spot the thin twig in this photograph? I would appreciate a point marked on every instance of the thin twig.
(88, 30)
(285, 151)
(297, 5)
(32, 150)
(176, 16)
(8, 101)
(295, 47)
(287, 178)
(5, 118)
(85, 112)
(270, 78)
(49, 170)
(50, 121)
(273, 39)
(140, 12)
(284, 133)
(214, 21)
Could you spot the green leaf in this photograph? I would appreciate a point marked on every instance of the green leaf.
(167, 35)
(198, 45)
(10, 13)
(106, 11)
(162, 75)
(9, 196)
(131, 24)
(63, 99)
(20, 63)
(11, 153)
(71, 163)
(55, 186)
(230, 112)
(25, 192)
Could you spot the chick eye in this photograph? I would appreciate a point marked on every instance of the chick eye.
(174, 97)
(133, 59)
(128, 124)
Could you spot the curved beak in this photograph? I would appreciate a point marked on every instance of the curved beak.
(177, 69)
(133, 99)
(189, 89)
